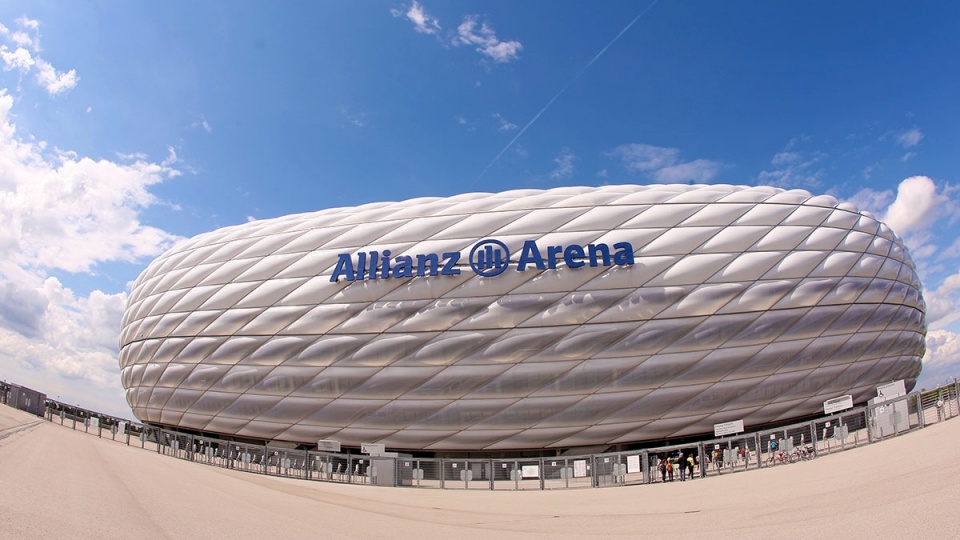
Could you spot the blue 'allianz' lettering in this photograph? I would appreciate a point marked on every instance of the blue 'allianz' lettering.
(372, 265)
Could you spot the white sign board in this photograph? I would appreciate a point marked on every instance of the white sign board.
(328, 445)
(727, 428)
(890, 391)
(530, 471)
(372, 449)
(836, 404)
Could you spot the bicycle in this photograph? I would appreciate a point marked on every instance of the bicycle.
(802, 453)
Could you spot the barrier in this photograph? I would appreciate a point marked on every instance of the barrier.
(711, 457)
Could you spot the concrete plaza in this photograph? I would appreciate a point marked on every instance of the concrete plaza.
(60, 483)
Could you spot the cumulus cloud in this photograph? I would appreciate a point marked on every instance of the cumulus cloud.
(918, 204)
(918, 212)
(23, 60)
(70, 213)
(61, 212)
(943, 348)
(481, 35)
(664, 164)
(422, 21)
(564, 165)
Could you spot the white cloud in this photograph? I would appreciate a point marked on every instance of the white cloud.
(794, 168)
(70, 213)
(20, 59)
(872, 201)
(203, 124)
(644, 157)
(785, 158)
(422, 21)
(917, 206)
(910, 138)
(61, 212)
(700, 170)
(481, 35)
(505, 125)
(664, 165)
(564, 162)
(943, 348)
(920, 212)
(53, 81)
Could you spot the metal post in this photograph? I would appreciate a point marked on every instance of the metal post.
(956, 393)
(542, 483)
(702, 458)
(813, 432)
(645, 466)
(758, 442)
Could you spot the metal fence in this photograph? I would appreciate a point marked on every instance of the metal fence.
(713, 457)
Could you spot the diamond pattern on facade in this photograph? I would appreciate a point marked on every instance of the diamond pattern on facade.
(749, 303)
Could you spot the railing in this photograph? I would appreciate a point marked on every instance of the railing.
(712, 457)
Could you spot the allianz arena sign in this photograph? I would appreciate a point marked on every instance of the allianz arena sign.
(488, 258)
(524, 320)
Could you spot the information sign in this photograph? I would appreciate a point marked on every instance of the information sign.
(892, 390)
(836, 404)
(372, 448)
(727, 428)
(328, 445)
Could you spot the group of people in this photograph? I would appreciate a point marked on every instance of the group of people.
(685, 464)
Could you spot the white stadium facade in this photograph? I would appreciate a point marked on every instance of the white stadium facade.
(525, 320)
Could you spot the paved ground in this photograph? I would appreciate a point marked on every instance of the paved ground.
(58, 483)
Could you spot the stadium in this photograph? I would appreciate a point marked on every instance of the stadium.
(524, 321)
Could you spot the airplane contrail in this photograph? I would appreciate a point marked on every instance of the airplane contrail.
(564, 89)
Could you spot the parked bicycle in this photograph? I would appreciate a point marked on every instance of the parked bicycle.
(802, 453)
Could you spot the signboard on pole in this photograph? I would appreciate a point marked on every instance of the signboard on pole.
(727, 428)
(328, 445)
(836, 404)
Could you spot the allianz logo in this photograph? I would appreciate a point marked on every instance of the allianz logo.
(488, 258)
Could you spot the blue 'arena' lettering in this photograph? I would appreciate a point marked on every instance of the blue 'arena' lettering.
(372, 265)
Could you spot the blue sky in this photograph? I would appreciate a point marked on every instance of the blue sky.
(125, 126)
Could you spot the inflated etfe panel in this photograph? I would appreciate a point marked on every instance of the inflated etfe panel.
(525, 319)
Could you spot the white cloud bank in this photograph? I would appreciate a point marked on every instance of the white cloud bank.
(63, 212)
